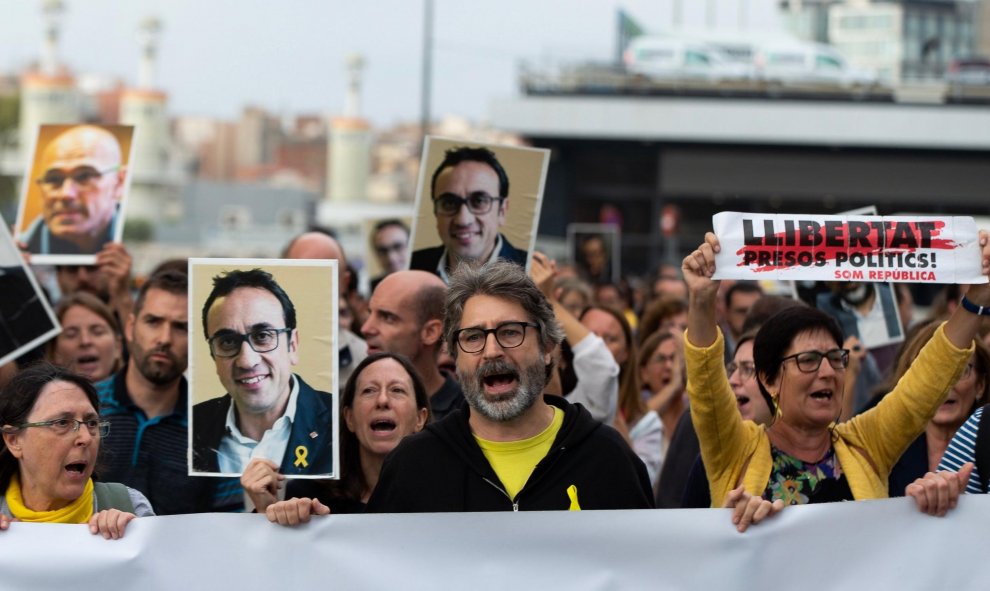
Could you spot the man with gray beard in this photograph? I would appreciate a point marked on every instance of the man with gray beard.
(511, 448)
(146, 403)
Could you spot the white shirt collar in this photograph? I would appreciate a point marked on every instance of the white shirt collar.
(237, 450)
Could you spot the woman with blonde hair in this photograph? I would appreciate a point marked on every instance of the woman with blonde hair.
(640, 426)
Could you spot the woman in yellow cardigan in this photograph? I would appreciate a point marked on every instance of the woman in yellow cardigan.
(803, 456)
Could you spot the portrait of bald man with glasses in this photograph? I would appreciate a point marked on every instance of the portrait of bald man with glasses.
(269, 412)
(72, 202)
(469, 195)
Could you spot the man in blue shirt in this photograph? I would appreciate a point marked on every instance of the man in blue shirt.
(146, 404)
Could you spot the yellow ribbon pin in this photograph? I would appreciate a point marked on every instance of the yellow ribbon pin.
(301, 453)
(572, 494)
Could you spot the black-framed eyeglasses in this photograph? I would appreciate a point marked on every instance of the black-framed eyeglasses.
(82, 176)
(746, 369)
(810, 361)
(64, 426)
(508, 335)
(227, 343)
(477, 203)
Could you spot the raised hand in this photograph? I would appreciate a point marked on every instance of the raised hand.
(543, 271)
(699, 266)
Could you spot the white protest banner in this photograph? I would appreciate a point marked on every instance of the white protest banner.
(859, 545)
(783, 247)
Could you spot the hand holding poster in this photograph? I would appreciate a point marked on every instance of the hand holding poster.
(917, 249)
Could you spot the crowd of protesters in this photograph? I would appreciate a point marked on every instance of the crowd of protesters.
(678, 391)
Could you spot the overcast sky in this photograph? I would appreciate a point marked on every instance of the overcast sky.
(217, 56)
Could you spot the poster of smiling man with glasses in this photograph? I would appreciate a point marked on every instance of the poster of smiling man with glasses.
(263, 336)
(463, 204)
(72, 201)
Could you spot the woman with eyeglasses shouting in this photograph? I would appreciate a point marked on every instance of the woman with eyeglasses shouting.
(805, 455)
(51, 441)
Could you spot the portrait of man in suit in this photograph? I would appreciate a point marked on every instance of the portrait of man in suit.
(268, 410)
(470, 196)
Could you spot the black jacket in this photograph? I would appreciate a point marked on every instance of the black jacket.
(443, 469)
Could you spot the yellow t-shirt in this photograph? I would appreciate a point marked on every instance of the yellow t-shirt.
(514, 461)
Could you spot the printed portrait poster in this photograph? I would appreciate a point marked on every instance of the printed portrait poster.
(72, 202)
(476, 213)
(594, 252)
(26, 319)
(388, 247)
(250, 371)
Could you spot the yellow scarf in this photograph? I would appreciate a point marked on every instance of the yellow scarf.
(78, 511)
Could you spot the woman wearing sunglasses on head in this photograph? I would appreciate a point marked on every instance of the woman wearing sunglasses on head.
(804, 455)
(51, 441)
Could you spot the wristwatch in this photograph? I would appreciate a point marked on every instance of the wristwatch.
(971, 307)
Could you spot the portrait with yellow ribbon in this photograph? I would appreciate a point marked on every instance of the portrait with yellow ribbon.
(263, 364)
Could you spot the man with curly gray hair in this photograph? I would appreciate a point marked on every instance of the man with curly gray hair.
(511, 448)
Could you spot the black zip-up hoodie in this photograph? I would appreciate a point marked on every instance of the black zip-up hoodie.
(443, 469)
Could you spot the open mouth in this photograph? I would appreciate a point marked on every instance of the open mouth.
(383, 425)
(822, 395)
(498, 377)
(76, 467)
(499, 383)
(86, 360)
(742, 400)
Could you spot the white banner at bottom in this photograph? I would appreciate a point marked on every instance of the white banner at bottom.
(872, 544)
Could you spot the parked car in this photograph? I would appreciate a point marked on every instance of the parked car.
(972, 71)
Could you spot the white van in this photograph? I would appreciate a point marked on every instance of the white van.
(665, 58)
(809, 63)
